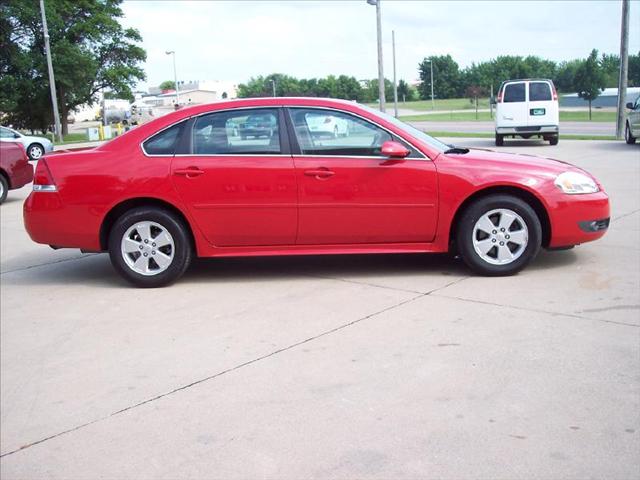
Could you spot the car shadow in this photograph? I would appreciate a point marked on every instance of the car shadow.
(11, 199)
(489, 144)
(96, 270)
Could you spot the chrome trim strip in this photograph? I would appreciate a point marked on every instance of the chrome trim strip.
(44, 188)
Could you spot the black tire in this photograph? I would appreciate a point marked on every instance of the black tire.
(182, 250)
(628, 137)
(4, 188)
(499, 140)
(32, 149)
(554, 139)
(465, 234)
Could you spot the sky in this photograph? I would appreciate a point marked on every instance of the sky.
(236, 40)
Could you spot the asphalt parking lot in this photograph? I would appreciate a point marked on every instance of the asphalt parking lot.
(382, 367)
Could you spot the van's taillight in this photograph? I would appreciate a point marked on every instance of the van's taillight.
(42, 179)
(500, 96)
(555, 94)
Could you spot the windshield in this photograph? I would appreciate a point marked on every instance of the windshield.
(420, 135)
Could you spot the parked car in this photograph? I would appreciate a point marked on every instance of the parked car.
(166, 191)
(257, 126)
(527, 108)
(15, 169)
(632, 126)
(327, 125)
(36, 146)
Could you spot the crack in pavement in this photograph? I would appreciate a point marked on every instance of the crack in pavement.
(232, 369)
(625, 215)
(535, 310)
(87, 255)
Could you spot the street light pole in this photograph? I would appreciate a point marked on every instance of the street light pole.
(175, 75)
(380, 69)
(52, 81)
(273, 86)
(395, 84)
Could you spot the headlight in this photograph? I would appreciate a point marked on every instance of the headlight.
(574, 183)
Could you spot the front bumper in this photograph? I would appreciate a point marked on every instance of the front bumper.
(577, 219)
(532, 130)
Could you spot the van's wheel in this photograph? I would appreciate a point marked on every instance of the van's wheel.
(4, 188)
(553, 139)
(498, 235)
(499, 140)
(628, 137)
(150, 247)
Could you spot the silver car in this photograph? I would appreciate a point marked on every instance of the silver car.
(632, 127)
(36, 147)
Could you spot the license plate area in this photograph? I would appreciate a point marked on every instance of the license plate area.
(537, 112)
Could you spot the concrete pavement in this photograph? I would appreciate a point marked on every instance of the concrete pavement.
(391, 366)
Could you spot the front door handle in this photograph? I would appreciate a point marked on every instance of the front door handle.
(320, 173)
(188, 172)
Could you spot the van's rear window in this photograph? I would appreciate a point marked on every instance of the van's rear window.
(514, 92)
(539, 92)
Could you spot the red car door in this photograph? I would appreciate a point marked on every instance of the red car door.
(240, 189)
(349, 193)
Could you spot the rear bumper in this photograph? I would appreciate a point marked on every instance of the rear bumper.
(21, 174)
(528, 130)
(47, 220)
(579, 219)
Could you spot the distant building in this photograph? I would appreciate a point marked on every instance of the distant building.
(608, 98)
(200, 91)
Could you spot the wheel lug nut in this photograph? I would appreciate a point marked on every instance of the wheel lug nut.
(145, 254)
(494, 232)
(153, 244)
(502, 229)
(501, 243)
(146, 241)
(153, 252)
(141, 247)
(507, 237)
(493, 240)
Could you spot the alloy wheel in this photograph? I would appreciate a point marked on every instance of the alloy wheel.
(500, 236)
(147, 248)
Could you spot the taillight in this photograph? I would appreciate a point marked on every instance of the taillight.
(500, 96)
(42, 179)
(555, 94)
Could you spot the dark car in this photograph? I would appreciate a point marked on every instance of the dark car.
(15, 169)
(258, 126)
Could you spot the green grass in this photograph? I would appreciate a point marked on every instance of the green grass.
(440, 104)
(491, 135)
(572, 116)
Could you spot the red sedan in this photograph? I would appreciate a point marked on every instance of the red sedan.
(189, 184)
(15, 169)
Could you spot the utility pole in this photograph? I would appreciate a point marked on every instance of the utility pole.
(624, 69)
(395, 84)
(52, 80)
(273, 86)
(381, 98)
(433, 102)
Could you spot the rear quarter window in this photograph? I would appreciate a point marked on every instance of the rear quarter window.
(514, 92)
(539, 92)
(164, 142)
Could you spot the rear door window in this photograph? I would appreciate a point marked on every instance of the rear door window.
(514, 92)
(539, 92)
(237, 132)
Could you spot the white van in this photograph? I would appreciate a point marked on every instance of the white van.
(527, 108)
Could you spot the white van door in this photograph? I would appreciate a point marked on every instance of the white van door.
(542, 108)
(512, 111)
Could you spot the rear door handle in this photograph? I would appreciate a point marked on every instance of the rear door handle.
(188, 172)
(321, 173)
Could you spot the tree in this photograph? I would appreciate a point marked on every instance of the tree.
(446, 77)
(90, 52)
(590, 79)
(405, 91)
(168, 85)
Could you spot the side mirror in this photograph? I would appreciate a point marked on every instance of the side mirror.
(393, 149)
(16, 135)
(630, 106)
(492, 101)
